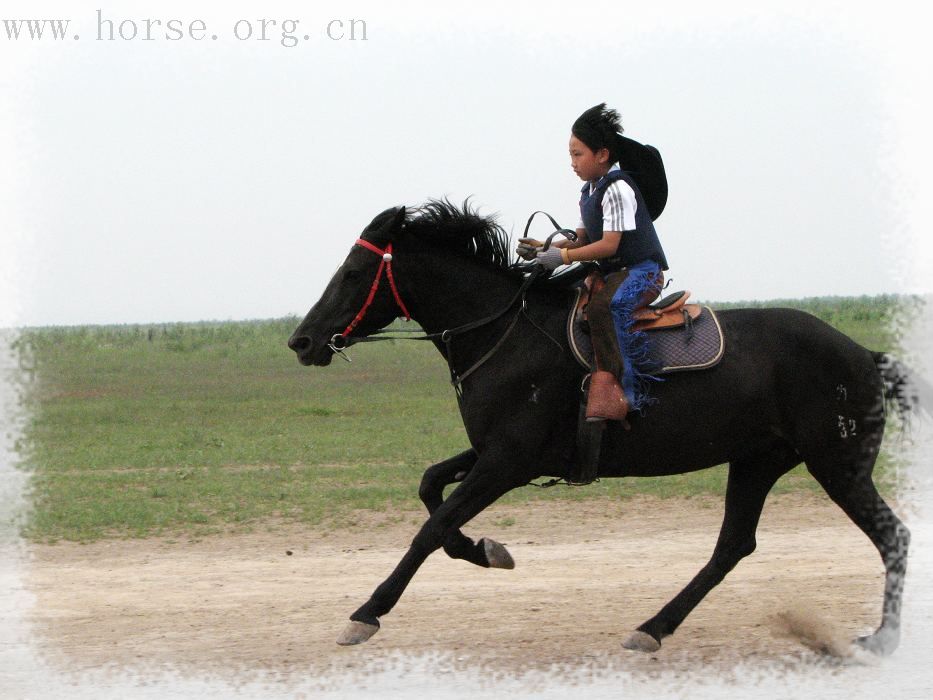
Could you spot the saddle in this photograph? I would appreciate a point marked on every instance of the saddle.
(682, 336)
(671, 311)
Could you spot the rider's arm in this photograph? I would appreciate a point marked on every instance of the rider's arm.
(604, 248)
(619, 206)
(582, 240)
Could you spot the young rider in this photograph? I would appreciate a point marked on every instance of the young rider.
(617, 231)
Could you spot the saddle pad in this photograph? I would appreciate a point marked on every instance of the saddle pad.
(699, 345)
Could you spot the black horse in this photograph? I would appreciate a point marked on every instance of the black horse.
(789, 389)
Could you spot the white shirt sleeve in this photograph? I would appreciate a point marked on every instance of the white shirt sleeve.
(619, 206)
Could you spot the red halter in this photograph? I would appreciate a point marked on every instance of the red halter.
(386, 263)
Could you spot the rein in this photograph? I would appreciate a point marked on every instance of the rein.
(341, 341)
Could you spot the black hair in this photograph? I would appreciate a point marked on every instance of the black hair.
(600, 127)
(461, 230)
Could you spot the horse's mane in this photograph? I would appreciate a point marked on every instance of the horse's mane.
(460, 230)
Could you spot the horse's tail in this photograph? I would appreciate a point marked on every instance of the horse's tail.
(904, 389)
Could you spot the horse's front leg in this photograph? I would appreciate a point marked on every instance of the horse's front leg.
(490, 478)
(486, 552)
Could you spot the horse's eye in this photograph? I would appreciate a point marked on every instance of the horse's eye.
(351, 275)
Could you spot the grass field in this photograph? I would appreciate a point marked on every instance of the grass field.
(198, 428)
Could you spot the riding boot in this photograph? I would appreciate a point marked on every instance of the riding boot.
(606, 399)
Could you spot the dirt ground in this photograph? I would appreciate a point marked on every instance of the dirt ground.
(586, 575)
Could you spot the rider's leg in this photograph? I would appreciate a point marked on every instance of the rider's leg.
(606, 400)
(609, 313)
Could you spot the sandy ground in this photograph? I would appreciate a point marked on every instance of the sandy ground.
(586, 575)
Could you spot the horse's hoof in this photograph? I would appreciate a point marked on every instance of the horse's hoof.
(641, 641)
(881, 643)
(356, 633)
(497, 555)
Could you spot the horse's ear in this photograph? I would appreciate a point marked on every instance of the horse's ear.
(385, 225)
(394, 224)
(399, 220)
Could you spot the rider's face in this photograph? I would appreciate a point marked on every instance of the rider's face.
(586, 163)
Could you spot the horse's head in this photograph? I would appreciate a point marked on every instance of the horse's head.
(351, 302)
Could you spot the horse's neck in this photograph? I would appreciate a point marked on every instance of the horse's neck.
(449, 295)
(448, 292)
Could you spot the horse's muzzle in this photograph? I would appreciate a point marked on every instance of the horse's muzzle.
(307, 353)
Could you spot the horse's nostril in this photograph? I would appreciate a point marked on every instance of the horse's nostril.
(299, 343)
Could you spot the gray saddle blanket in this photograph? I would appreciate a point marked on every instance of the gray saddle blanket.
(696, 345)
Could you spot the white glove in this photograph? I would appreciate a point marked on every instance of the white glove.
(528, 248)
(550, 259)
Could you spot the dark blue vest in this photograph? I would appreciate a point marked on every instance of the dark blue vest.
(636, 246)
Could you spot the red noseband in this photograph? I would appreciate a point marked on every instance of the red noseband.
(386, 264)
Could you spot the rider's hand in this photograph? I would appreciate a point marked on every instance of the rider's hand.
(528, 248)
(550, 259)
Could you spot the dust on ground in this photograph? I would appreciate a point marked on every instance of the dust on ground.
(587, 574)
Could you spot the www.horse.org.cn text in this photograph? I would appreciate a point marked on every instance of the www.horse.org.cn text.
(287, 33)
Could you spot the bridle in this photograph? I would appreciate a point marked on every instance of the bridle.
(385, 264)
(341, 341)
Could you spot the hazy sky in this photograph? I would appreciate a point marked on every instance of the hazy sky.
(225, 179)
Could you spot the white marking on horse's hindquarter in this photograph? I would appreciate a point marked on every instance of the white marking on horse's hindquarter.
(847, 427)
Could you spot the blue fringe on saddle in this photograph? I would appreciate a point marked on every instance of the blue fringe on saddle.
(634, 344)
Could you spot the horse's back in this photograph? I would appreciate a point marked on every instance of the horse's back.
(795, 345)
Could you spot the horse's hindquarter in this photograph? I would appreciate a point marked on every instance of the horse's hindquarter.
(785, 375)
(830, 390)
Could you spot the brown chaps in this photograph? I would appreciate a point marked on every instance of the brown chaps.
(606, 399)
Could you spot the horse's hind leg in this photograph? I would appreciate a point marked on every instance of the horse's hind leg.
(853, 490)
(750, 480)
(485, 552)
